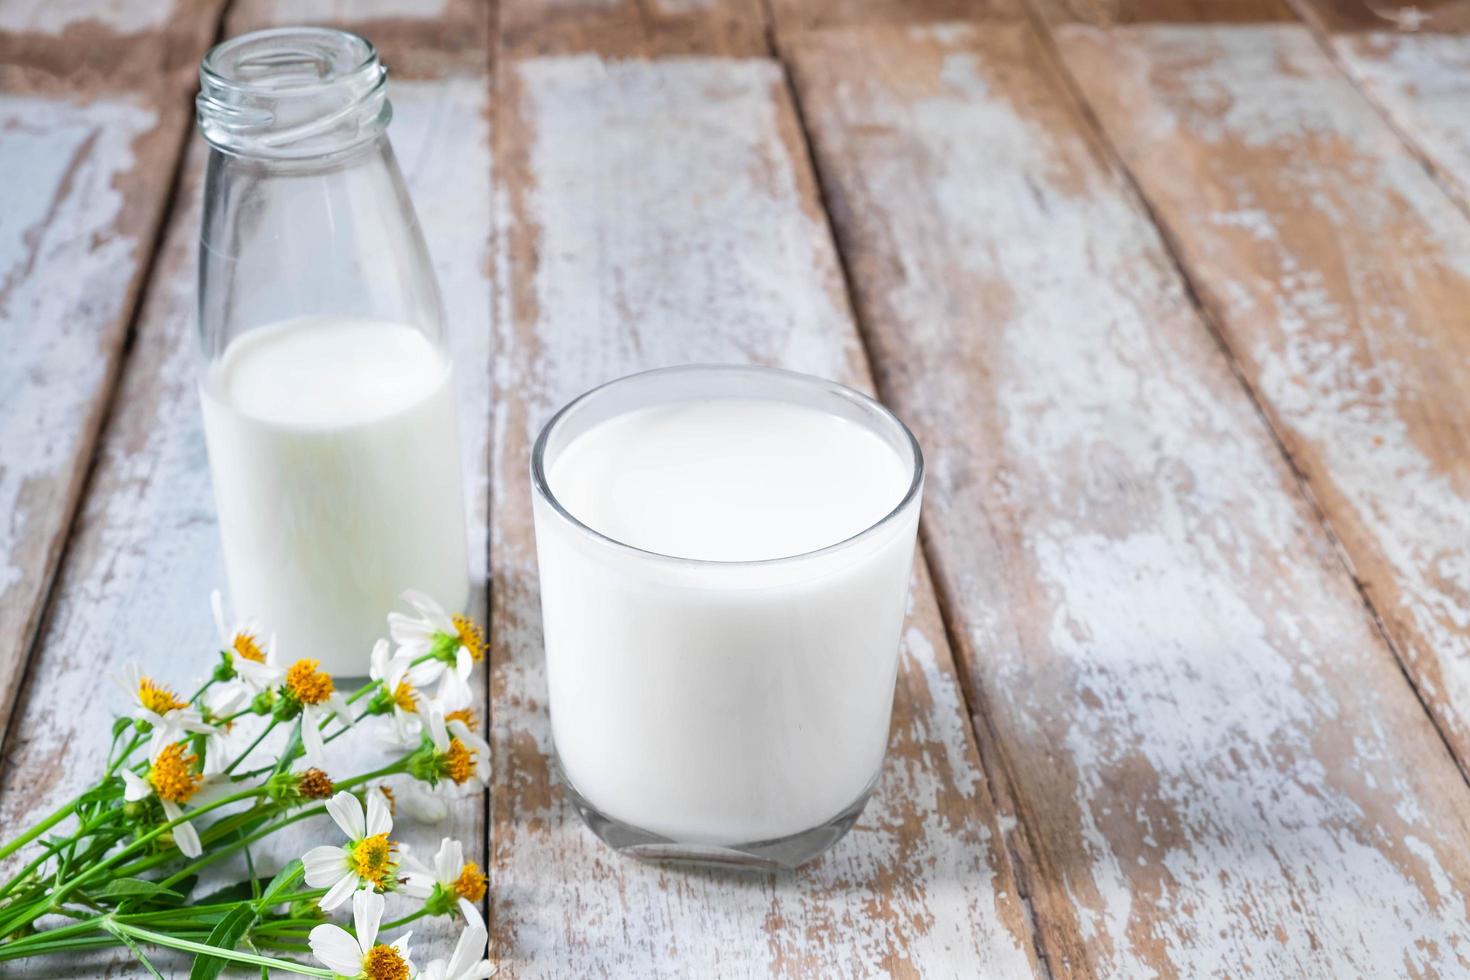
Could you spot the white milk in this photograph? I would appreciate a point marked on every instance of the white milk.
(336, 472)
(723, 704)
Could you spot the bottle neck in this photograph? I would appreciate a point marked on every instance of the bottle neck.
(292, 94)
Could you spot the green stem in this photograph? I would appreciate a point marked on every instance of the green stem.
(226, 849)
(159, 939)
(60, 814)
(253, 745)
(400, 923)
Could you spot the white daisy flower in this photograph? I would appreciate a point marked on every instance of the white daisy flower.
(160, 707)
(254, 663)
(455, 642)
(171, 778)
(465, 963)
(362, 957)
(405, 697)
(461, 755)
(450, 879)
(366, 860)
(314, 691)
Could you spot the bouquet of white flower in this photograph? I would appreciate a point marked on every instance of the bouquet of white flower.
(192, 785)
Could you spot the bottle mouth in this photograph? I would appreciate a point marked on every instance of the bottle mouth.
(292, 92)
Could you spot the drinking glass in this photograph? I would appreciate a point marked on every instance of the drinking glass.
(721, 711)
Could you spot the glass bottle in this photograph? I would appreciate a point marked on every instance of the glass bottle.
(325, 379)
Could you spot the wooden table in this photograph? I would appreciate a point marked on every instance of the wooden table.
(1175, 294)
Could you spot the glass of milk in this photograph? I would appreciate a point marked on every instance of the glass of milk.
(326, 382)
(724, 565)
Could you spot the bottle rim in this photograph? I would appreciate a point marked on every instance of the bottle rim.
(292, 92)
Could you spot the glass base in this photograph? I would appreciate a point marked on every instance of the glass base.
(781, 853)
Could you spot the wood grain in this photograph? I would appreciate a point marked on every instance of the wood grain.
(1218, 758)
(661, 212)
(135, 582)
(1348, 16)
(1421, 82)
(1336, 268)
(633, 27)
(88, 167)
(802, 15)
(1107, 12)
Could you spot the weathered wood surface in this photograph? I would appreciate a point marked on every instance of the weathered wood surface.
(1103, 12)
(1215, 753)
(88, 165)
(660, 212)
(1338, 272)
(135, 582)
(633, 27)
(1385, 15)
(1421, 82)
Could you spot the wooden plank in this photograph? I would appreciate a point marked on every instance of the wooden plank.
(88, 170)
(803, 15)
(135, 583)
(1220, 762)
(1421, 83)
(1337, 271)
(633, 27)
(693, 233)
(1104, 12)
(1385, 15)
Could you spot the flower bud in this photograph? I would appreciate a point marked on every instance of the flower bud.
(225, 669)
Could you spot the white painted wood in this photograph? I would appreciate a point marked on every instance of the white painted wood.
(1422, 83)
(1218, 755)
(75, 207)
(661, 212)
(1360, 349)
(136, 580)
(51, 17)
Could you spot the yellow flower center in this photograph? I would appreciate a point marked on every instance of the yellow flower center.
(314, 784)
(459, 761)
(372, 859)
(310, 685)
(172, 774)
(157, 698)
(470, 885)
(470, 636)
(466, 715)
(247, 647)
(405, 698)
(384, 963)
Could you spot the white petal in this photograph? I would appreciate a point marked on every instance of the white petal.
(449, 861)
(378, 662)
(325, 866)
(471, 944)
(311, 736)
(379, 817)
(434, 971)
(339, 892)
(367, 913)
(347, 812)
(401, 944)
(471, 914)
(187, 839)
(339, 707)
(135, 787)
(437, 732)
(336, 949)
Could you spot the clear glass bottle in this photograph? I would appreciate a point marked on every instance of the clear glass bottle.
(325, 379)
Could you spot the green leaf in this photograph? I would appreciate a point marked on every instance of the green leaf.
(284, 880)
(238, 892)
(226, 935)
(138, 888)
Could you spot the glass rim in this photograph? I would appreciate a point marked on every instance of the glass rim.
(542, 486)
(208, 65)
